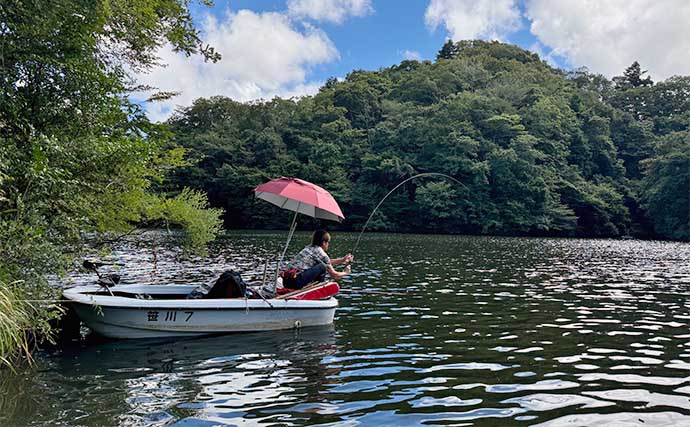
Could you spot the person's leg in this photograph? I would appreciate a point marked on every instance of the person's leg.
(316, 273)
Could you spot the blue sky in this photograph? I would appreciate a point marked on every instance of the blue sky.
(378, 39)
(290, 47)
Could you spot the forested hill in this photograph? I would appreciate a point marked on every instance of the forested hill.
(540, 151)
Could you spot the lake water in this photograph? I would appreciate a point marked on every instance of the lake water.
(479, 331)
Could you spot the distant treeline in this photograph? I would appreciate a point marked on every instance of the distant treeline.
(541, 151)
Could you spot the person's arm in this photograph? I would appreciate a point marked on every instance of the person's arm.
(337, 275)
(344, 260)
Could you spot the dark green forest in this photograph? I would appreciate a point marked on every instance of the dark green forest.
(540, 150)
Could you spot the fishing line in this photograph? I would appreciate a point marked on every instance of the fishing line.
(391, 192)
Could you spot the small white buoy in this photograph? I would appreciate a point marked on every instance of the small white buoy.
(298, 324)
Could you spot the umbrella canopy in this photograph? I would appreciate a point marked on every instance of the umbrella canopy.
(300, 196)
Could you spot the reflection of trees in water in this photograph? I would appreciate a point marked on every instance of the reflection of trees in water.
(61, 391)
(154, 383)
(18, 394)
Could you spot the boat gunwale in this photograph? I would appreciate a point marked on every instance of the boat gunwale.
(79, 294)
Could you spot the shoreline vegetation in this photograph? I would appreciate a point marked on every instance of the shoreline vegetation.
(77, 157)
(16, 326)
(540, 151)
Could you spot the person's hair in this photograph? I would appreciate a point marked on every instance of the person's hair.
(319, 237)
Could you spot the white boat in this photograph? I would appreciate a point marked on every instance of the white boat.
(125, 314)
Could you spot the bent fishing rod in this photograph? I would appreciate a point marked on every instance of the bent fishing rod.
(391, 192)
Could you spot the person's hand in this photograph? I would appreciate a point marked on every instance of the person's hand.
(348, 269)
(349, 258)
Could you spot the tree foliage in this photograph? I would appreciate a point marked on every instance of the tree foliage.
(448, 51)
(666, 186)
(632, 78)
(541, 151)
(76, 157)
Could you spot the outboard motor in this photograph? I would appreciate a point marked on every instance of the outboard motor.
(105, 281)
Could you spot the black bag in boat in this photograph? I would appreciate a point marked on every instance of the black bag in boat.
(228, 285)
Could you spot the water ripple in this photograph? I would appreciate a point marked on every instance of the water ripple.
(479, 331)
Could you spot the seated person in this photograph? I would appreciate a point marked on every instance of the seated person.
(312, 263)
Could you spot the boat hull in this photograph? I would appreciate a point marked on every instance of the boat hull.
(127, 317)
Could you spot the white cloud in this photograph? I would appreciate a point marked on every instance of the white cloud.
(412, 54)
(474, 19)
(329, 10)
(549, 57)
(264, 55)
(607, 36)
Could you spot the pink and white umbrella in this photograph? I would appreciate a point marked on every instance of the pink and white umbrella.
(300, 196)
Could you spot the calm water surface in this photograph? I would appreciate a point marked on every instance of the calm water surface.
(480, 331)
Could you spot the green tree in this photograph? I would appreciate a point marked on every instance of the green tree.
(541, 151)
(666, 186)
(632, 78)
(634, 141)
(448, 51)
(76, 156)
(360, 101)
(584, 79)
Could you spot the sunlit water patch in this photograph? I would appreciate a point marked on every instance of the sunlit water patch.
(475, 331)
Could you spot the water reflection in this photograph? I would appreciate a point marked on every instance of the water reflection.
(478, 331)
(156, 383)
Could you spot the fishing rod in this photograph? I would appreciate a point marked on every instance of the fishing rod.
(391, 192)
(361, 291)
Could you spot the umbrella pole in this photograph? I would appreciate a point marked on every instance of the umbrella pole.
(293, 226)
